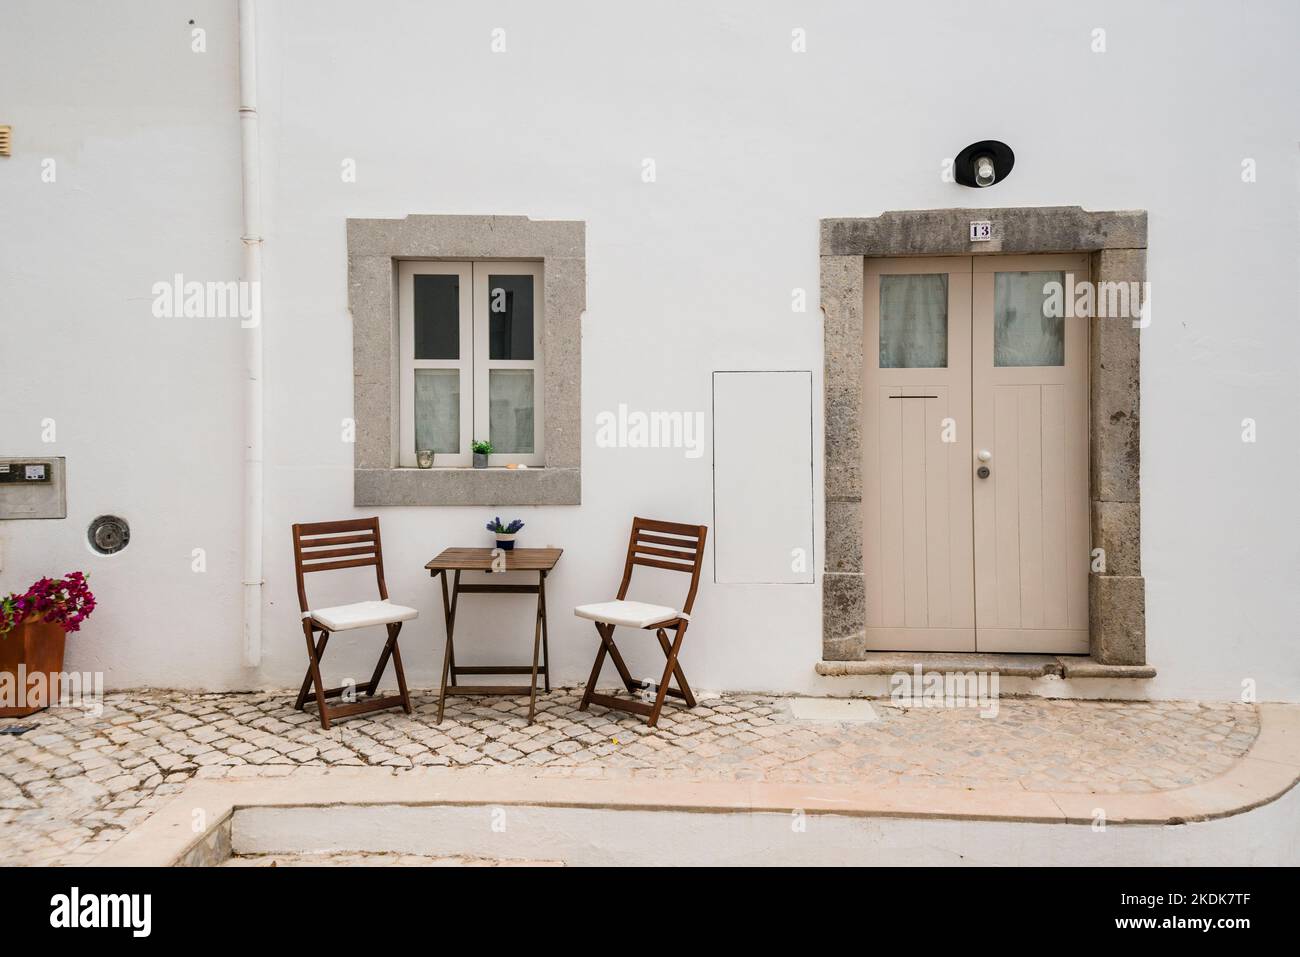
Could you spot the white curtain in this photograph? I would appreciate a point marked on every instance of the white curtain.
(1022, 334)
(510, 410)
(914, 321)
(437, 410)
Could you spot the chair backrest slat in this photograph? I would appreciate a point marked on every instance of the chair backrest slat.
(687, 557)
(329, 546)
(664, 540)
(684, 552)
(672, 528)
(333, 528)
(338, 540)
(330, 566)
(329, 553)
(670, 566)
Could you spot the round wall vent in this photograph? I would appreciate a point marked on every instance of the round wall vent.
(108, 534)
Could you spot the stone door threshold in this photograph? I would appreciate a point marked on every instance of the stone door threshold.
(1268, 770)
(1011, 665)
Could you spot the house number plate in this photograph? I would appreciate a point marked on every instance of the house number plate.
(981, 232)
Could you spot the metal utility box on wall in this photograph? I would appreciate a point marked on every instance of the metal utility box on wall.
(33, 487)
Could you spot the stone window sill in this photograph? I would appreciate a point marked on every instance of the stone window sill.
(466, 486)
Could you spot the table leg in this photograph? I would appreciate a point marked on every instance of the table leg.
(449, 616)
(546, 651)
(455, 604)
(537, 643)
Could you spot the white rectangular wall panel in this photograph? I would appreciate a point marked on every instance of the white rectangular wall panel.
(762, 477)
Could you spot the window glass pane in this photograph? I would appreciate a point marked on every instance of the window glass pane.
(1022, 334)
(510, 410)
(510, 316)
(437, 317)
(914, 321)
(437, 410)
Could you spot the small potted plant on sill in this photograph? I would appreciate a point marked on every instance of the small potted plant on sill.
(481, 452)
(505, 533)
(33, 627)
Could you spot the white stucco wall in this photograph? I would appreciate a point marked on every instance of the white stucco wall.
(690, 274)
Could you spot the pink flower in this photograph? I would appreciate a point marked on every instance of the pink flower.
(65, 601)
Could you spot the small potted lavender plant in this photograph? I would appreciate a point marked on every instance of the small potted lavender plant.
(505, 533)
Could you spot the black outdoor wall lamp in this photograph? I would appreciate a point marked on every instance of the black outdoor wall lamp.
(983, 164)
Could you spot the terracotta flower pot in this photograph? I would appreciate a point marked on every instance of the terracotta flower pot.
(31, 660)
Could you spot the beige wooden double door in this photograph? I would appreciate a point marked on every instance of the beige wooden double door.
(975, 471)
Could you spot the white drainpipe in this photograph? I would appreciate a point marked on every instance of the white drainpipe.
(252, 268)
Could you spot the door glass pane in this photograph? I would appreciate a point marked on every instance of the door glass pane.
(1023, 335)
(437, 410)
(437, 317)
(510, 410)
(914, 321)
(510, 317)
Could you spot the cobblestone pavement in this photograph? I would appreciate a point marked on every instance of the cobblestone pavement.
(73, 785)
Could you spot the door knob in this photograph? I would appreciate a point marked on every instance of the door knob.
(984, 455)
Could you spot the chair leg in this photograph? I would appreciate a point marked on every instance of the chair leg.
(677, 670)
(314, 671)
(595, 669)
(389, 647)
(630, 683)
(669, 670)
(672, 670)
(393, 629)
(607, 647)
(306, 681)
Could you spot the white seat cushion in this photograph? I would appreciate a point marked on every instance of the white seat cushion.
(631, 614)
(362, 614)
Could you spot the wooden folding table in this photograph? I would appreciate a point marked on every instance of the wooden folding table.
(494, 561)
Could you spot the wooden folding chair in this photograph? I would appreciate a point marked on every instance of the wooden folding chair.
(668, 545)
(326, 546)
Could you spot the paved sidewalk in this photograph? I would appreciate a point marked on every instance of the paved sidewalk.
(355, 859)
(72, 787)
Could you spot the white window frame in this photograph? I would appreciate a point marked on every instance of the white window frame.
(474, 363)
(483, 365)
(406, 273)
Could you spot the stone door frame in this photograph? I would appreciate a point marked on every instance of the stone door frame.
(1117, 243)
